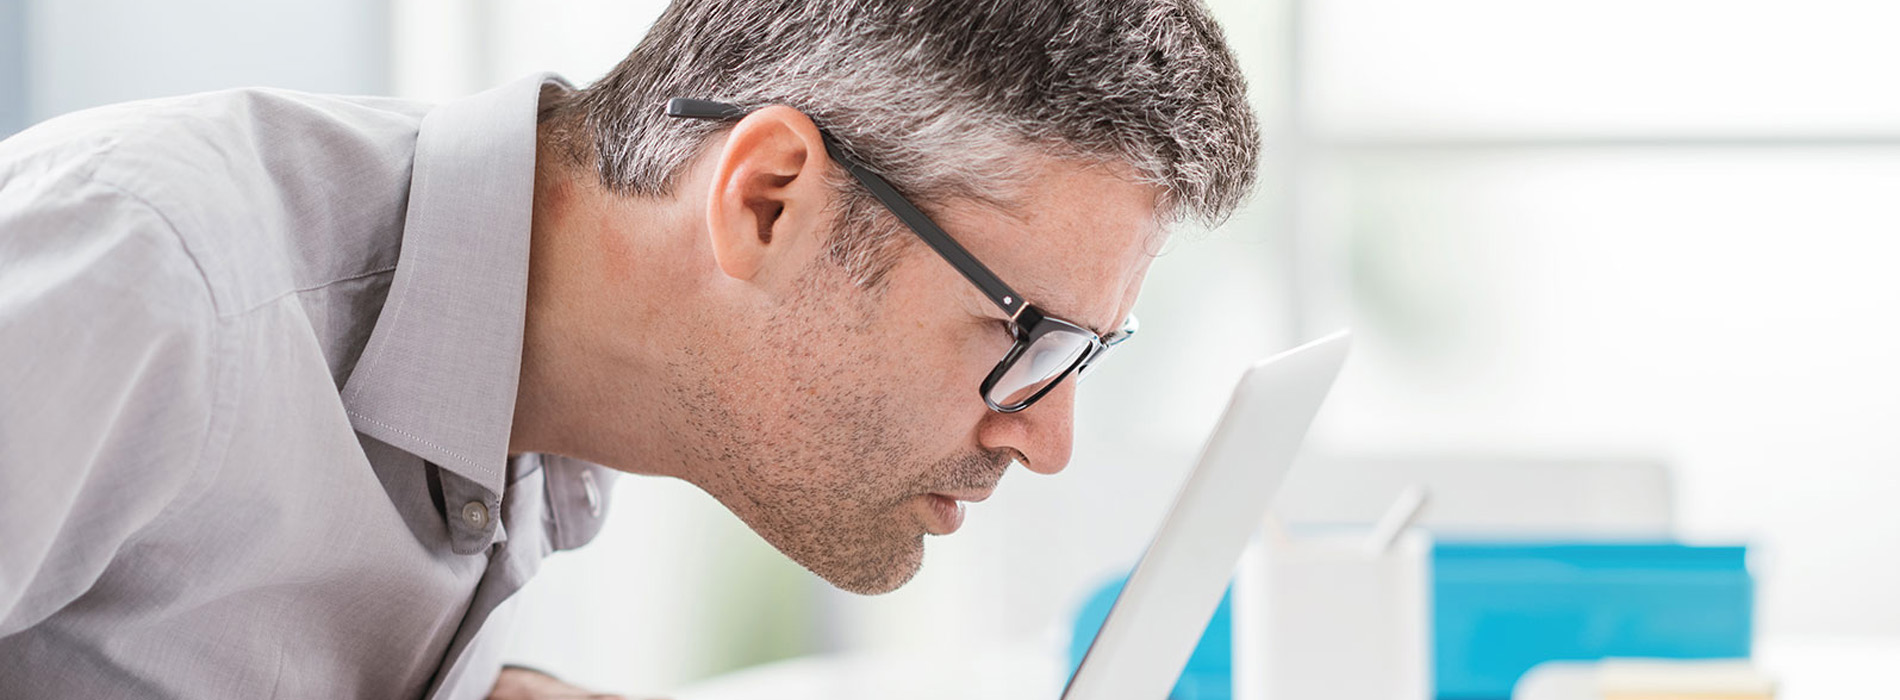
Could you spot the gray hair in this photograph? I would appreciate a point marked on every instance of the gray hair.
(942, 98)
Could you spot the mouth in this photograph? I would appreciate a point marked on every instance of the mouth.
(943, 512)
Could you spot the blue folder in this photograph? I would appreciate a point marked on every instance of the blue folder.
(1501, 608)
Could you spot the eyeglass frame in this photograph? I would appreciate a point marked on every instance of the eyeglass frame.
(1027, 322)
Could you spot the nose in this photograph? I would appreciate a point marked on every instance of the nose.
(1044, 433)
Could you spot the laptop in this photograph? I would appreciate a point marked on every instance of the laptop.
(1162, 611)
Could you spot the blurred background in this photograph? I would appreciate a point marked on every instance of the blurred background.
(1615, 237)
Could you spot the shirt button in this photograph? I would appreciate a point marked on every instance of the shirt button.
(475, 513)
(592, 490)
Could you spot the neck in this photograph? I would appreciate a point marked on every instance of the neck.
(605, 275)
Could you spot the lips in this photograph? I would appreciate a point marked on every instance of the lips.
(944, 509)
(968, 496)
(944, 514)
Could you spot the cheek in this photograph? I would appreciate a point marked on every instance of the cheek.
(932, 375)
(931, 353)
(953, 359)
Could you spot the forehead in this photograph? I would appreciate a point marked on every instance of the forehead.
(1076, 240)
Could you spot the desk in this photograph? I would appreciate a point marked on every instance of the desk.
(1808, 668)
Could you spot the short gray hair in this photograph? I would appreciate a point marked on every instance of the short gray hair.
(942, 98)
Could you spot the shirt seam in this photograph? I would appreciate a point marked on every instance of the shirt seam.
(339, 280)
(314, 287)
(171, 227)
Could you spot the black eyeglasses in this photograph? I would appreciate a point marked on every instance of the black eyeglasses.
(1047, 348)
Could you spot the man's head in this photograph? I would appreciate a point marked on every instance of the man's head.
(741, 313)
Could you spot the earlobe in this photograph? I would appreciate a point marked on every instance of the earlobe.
(767, 195)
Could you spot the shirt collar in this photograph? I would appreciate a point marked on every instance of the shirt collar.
(439, 373)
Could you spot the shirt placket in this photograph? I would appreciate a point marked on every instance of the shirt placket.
(471, 513)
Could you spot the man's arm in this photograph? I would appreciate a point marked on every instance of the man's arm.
(523, 683)
(106, 376)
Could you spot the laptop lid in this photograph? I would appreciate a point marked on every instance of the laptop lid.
(1165, 606)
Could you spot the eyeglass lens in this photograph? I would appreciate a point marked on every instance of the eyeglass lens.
(1047, 358)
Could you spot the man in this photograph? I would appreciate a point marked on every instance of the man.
(296, 390)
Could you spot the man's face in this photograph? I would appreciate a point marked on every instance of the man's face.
(849, 425)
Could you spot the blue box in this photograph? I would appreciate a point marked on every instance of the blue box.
(1501, 608)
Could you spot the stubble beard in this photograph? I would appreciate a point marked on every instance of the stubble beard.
(841, 499)
(815, 459)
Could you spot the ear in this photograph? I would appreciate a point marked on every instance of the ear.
(766, 205)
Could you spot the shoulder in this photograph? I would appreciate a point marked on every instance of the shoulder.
(264, 190)
(108, 330)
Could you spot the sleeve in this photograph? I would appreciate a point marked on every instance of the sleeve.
(106, 371)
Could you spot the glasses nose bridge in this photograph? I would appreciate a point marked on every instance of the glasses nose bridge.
(1094, 352)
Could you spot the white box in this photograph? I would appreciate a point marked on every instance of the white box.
(1325, 617)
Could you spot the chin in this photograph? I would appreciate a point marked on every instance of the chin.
(866, 554)
(874, 575)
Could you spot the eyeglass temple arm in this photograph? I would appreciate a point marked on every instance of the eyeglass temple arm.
(972, 269)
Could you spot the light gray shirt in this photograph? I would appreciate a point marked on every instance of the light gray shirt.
(258, 360)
